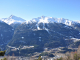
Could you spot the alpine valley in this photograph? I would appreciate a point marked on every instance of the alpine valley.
(18, 35)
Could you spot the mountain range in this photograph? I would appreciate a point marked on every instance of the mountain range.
(42, 32)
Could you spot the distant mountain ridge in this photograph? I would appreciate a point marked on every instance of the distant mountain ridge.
(44, 19)
(12, 20)
(39, 32)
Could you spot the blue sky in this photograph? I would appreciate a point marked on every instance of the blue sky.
(28, 9)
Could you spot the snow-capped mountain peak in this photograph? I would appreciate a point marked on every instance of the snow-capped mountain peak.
(44, 19)
(16, 18)
(13, 19)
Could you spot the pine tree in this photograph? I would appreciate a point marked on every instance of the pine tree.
(39, 58)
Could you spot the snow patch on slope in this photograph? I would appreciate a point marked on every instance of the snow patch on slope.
(75, 39)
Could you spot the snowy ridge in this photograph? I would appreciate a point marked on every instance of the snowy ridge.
(12, 20)
(2, 21)
(44, 20)
(77, 21)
